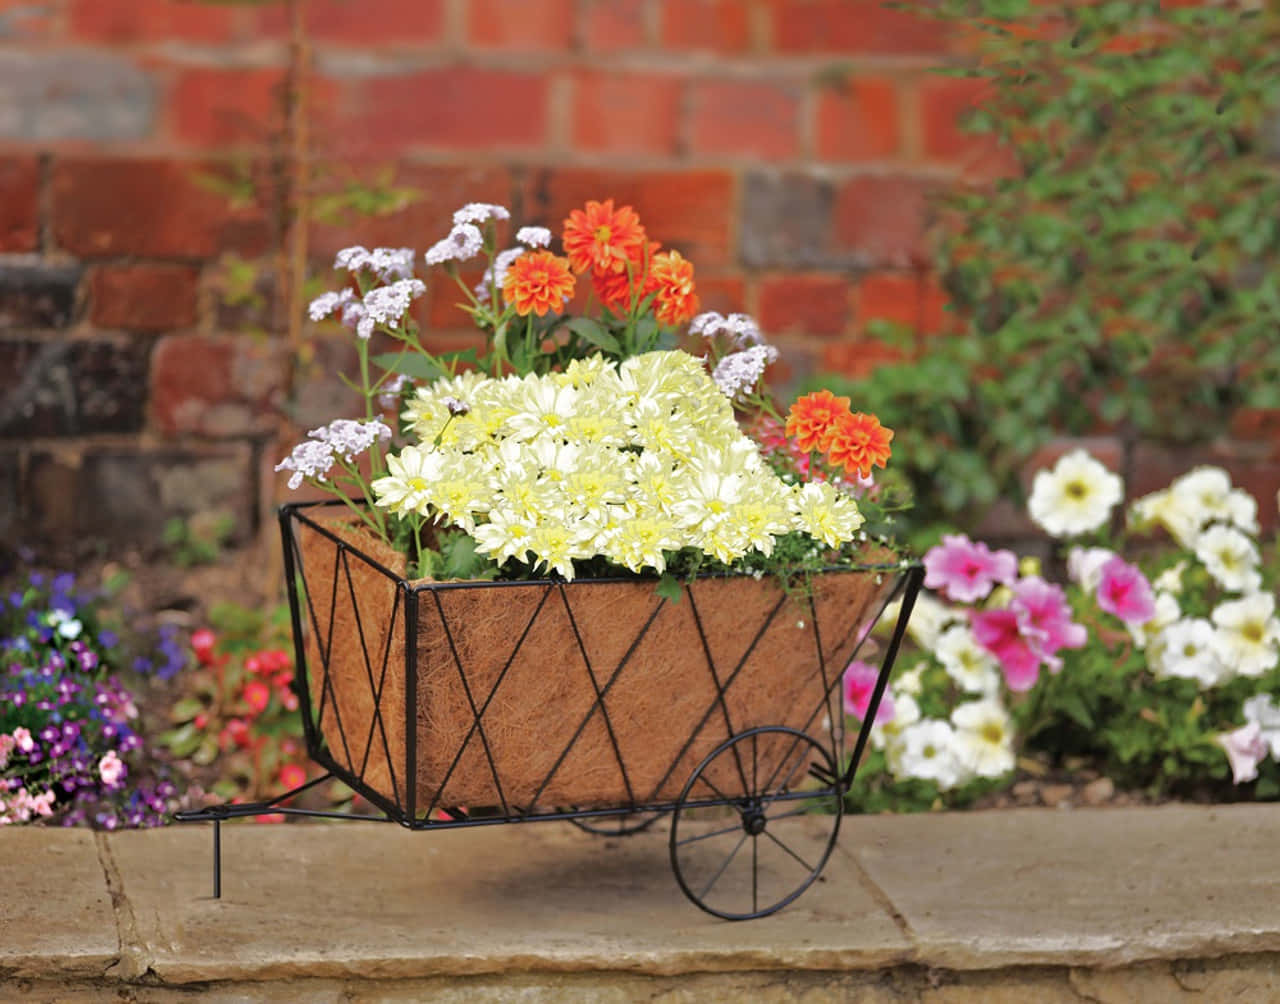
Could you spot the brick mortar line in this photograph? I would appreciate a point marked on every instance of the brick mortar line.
(130, 960)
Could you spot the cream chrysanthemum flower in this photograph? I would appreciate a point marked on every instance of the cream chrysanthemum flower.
(1075, 497)
(407, 487)
(825, 513)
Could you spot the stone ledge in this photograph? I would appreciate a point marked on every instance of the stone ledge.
(1045, 904)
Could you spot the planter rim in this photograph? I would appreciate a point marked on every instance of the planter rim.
(294, 510)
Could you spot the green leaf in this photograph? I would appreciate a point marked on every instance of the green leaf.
(593, 332)
(669, 588)
(186, 709)
(411, 364)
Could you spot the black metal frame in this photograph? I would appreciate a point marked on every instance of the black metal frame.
(406, 810)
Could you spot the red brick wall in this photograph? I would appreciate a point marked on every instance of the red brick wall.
(785, 146)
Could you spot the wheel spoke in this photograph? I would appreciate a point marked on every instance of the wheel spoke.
(708, 836)
(755, 871)
(802, 861)
(787, 815)
(718, 793)
(721, 870)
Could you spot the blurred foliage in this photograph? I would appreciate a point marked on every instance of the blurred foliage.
(1124, 275)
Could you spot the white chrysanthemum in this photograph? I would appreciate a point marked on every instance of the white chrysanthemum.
(407, 486)
(927, 751)
(463, 243)
(825, 513)
(1186, 649)
(1084, 566)
(507, 533)
(967, 662)
(1207, 492)
(1167, 611)
(479, 212)
(1230, 557)
(1262, 710)
(984, 738)
(534, 237)
(639, 540)
(1075, 497)
(1247, 638)
(326, 303)
(541, 408)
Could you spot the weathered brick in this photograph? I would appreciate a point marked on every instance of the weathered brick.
(458, 107)
(609, 25)
(520, 24)
(437, 190)
(58, 95)
(221, 107)
(879, 221)
(745, 118)
(27, 21)
(689, 211)
(154, 208)
(113, 497)
(804, 304)
(715, 25)
(857, 358)
(143, 297)
(786, 220)
(858, 120)
(36, 295)
(915, 300)
(852, 27)
(71, 388)
(346, 23)
(150, 21)
(11, 464)
(725, 294)
(19, 203)
(944, 101)
(320, 396)
(444, 302)
(620, 112)
(216, 386)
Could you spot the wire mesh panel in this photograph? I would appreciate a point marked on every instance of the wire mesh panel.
(516, 699)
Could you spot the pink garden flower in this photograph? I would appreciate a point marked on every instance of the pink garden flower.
(859, 686)
(964, 570)
(1125, 592)
(111, 769)
(1245, 748)
(1000, 633)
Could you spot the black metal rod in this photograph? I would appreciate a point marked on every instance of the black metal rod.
(217, 859)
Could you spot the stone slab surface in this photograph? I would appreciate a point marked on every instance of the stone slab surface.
(1105, 887)
(375, 901)
(55, 906)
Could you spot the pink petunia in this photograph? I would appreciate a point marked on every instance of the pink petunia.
(1045, 616)
(1000, 632)
(1125, 592)
(859, 687)
(964, 570)
(1245, 749)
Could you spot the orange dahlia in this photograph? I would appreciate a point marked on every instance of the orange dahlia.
(812, 420)
(601, 239)
(671, 277)
(536, 282)
(859, 442)
(614, 288)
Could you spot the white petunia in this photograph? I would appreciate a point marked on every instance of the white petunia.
(1262, 710)
(1207, 492)
(967, 662)
(1170, 580)
(984, 738)
(1075, 497)
(1230, 557)
(1247, 638)
(1167, 611)
(1186, 649)
(1175, 513)
(928, 752)
(888, 735)
(1084, 566)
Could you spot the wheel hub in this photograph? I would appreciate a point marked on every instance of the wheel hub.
(753, 820)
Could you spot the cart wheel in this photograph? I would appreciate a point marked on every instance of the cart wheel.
(622, 825)
(748, 854)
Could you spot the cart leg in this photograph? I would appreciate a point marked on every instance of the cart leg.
(217, 859)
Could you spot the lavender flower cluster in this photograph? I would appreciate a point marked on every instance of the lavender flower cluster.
(70, 751)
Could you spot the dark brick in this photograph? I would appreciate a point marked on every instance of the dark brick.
(216, 386)
(34, 295)
(10, 477)
(787, 220)
(112, 498)
(62, 388)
